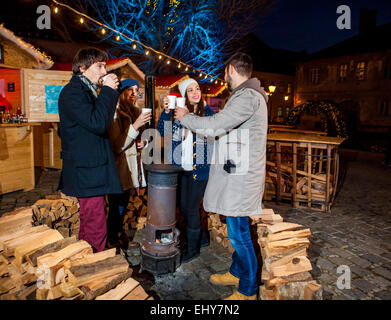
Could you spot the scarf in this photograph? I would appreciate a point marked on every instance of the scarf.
(93, 87)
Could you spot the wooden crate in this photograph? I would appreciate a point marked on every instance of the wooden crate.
(47, 146)
(302, 169)
(16, 158)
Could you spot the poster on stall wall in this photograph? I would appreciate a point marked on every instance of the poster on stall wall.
(41, 89)
(52, 93)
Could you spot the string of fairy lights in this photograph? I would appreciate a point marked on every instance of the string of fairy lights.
(148, 51)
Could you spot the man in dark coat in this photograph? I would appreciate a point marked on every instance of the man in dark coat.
(89, 171)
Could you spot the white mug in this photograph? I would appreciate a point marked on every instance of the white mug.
(146, 110)
(180, 102)
(172, 102)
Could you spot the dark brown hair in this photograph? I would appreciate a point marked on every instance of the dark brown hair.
(200, 105)
(242, 63)
(131, 110)
(86, 57)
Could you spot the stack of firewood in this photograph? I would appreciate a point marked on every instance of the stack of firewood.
(37, 262)
(285, 271)
(136, 213)
(218, 231)
(58, 212)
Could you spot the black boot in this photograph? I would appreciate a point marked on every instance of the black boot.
(192, 250)
(204, 238)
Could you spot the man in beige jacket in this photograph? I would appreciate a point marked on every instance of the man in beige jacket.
(237, 175)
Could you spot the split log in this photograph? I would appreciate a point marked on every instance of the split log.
(10, 245)
(288, 234)
(282, 226)
(91, 258)
(52, 247)
(98, 287)
(313, 291)
(297, 277)
(284, 258)
(136, 294)
(291, 290)
(49, 237)
(50, 263)
(277, 247)
(119, 291)
(296, 265)
(83, 274)
(267, 294)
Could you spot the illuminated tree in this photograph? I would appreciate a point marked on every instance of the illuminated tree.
(193, 31)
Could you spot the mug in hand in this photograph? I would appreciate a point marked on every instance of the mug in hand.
(171, 102)
(180, 102)
(146, 110)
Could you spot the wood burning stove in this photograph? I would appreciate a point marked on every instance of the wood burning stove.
(160, 253)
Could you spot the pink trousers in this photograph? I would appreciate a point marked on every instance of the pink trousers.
(93, 227)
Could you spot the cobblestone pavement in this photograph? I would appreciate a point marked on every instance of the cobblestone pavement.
(356, 234)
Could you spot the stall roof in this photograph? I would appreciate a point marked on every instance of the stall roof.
(169, 82)
(112, 64)
(44, 62)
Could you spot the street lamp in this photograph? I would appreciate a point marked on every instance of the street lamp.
(272, 88)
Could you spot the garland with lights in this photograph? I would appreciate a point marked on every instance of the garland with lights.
(111, 33)
(328, 111)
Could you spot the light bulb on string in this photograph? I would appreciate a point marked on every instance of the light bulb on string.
(118, 38)
(103, 31)
(160, 57)
(81, 20)
(134, 46)
(187, 68)
(201, 74)
(147, 52)
(179, 66)
(55, 10)
(168, 62)
(216, 82)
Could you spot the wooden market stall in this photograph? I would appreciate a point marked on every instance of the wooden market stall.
(16, 139)
(299, 131)
(16, 157)
(302, 169)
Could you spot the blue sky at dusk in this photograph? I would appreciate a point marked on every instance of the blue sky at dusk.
(311, 25)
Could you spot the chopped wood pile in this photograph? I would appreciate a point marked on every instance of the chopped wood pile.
(285, 271)
(37, 262)
(135, 217)
(286, 267)
(218, 231)
(58, 212)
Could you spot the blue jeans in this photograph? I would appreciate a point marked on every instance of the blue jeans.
(244, 262)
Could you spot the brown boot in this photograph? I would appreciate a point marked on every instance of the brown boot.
(226, 279)
(238, 296)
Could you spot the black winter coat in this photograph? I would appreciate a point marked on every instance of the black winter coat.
(88, 167)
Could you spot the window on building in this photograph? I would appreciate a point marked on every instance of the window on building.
(343, 72)
(387, 68)
(384, 108)
(289, 89)
(360, 71)
(314, 75)
(287, 110)
(279, 112)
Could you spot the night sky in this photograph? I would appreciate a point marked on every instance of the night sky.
(311, 25)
